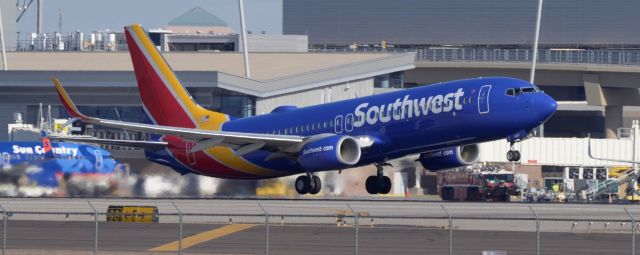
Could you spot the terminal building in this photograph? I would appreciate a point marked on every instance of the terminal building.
(589, 58)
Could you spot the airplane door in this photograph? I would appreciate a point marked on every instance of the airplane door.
(483, 99)
(348, 122)
(338, 124)
(191, 157)
(98, 156)
(6, 159)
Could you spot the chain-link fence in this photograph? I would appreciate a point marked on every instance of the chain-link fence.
(317, 227)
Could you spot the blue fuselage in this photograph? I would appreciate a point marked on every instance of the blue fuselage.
(410, 121)
(30, 159)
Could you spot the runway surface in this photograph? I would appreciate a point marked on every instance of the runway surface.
(303, 239)
(314, 226)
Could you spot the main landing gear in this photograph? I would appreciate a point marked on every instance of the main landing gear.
(513, 155)
(378, 184)
(308, 184)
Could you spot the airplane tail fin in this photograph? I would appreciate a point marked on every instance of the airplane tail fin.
(66, 100)
(46, 145)
(163, 96)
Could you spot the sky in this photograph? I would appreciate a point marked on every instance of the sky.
(91, 15)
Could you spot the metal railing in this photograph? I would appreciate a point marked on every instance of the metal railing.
(362, 228)
(559, 56)
(603, 56)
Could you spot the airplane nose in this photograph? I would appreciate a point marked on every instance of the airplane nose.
(544, 106)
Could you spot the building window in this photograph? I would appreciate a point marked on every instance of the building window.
(391, 80)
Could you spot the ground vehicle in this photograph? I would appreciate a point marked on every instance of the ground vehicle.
(498, 186)
(476, 186)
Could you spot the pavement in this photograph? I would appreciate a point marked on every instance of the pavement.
(29, 237)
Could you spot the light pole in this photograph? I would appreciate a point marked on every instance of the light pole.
(4, 53)
(245, 48)
(535, 43)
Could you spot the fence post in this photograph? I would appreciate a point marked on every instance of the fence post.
(4, 229)
(450, 229)
(633, 232)
(95, 216)
(537, 230)
(355, 223)
(180, 224)
(266, 223)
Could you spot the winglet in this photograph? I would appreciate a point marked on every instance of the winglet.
(66, 100)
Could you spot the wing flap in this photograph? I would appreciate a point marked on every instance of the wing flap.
(153, 145)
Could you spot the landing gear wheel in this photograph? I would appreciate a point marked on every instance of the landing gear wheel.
(517, 156)
(385, 185)
(316, 185)
(510, 156)
(513, 155)
(303, 184)
(372, 184)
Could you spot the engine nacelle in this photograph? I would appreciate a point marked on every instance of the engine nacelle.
(450, 157)
(329, 153)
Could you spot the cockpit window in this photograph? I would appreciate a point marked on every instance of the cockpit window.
(510, 92)
(520, 91)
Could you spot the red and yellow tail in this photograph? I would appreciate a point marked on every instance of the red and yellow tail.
(164, 98)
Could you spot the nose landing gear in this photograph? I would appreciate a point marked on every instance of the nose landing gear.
(379, 183)
(513, 155)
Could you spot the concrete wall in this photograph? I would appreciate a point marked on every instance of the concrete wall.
(277, 43)
(566, 22)
(317, 96)
(264, 66)
(257, 42)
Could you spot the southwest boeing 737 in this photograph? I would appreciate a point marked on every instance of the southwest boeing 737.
(442, 122)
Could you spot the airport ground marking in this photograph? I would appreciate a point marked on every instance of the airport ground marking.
(203, 237)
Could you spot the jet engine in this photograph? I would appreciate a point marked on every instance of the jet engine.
(328, 153)
(450, 157)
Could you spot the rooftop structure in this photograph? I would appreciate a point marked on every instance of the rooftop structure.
(198, 21)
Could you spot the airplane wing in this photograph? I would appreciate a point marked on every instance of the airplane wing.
(242, 142)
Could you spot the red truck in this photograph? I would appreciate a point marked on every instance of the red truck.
(476, 186)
